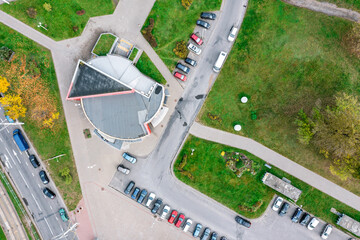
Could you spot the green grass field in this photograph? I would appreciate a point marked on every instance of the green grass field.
(349, 4)
(104, 44)
(284, 59)
(214, 179)
(147, 67)
(62, 21)
(174, 23)
(2, 234)
(133, 54)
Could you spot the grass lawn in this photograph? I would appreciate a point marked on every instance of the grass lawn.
(133, 54)
(104, 44)
(32, 72)
(284, 59)
(174, 23)
(349, 4)
(146, 66)
(62, 21)
(214, 179)
(2, 234)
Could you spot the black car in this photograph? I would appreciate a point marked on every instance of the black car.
(213, 236)
(203, 24)
(208, 15)
(129, 187)
(223, 238)
(157, 205)
(44, 178)
(142, 196)
(49, 193)
(183, 68)
(190, 62)
(205, 234)
(296, 216)
(284, 208)
(242, 221)
(305, 219)
(34, 161)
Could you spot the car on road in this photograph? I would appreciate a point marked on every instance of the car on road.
(197, 230)
(326, 232)
(34, 162)
(129, 158)
(194, 48)
(180, 76)
(183, 68)
(305, 219)
(203, 24)
(296, 216)
(63, 215)
(135, 194)
(284, 208)
(10, 120)
(205, 234)
(123, 169)
(156, 206)
(232, 33)
(312, 224)
(277, 203)
(165, 211)
(213, 236)
(196, 39)
(242, 221)
(44, 178)
(151, 198)
(142, 196)
(180, 220)
(187, 225)
(208, 15)
(190, 61)
(172, 217)
(49, 193)
(129, 187)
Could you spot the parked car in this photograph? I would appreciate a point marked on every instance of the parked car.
(197, 230)
(156, 206)
(180, 76)
(129, 187)
(205, 234)
(196, 39)
(10, 120)
(63, 215)
(213, 236)
(20, 140)
(123, 169)
(284, 208)
(44, 178)
(180, 220)
(187, 225)
(183, 68)
(129, 157)
(296, 216)
(232, 33)
(49, 193)
(326, 232)
(223, 238)
(313, 223)
(135, 194)
(142, 196)
(151, 197)
(34, 162)
(190, 62)
(305, 219)
(242, 221)
(203, 24)
(172, 217)
(165, 211)
(277, 203)
(208, 15)
(194, 48)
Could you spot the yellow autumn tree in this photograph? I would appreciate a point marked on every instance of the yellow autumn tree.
(49, 123)
(13, 106)
(4, 84)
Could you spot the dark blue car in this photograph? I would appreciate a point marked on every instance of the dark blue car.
(142, 196)
(135, 193)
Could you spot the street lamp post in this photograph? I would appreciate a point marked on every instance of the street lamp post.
(40, 25)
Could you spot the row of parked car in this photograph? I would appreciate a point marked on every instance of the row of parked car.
(300, 216)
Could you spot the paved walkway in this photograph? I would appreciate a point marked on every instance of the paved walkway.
(278, 161)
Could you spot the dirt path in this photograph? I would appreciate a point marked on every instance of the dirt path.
(327, 8)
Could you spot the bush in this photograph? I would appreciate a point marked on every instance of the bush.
(181, 50)
(31, 12)
(65, 174)
(186, 3)
(305, 127)
(6, 53)
(252, 208)
(47, 7)
(147, 33)
(183, 162)
(81, 12)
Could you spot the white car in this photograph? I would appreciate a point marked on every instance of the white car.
(194, 48)
(312, 224)
(187, 225)
(151, 198)
(165, 211)
(232, 34)
(327, 230)
(277, 203)
(123, 169)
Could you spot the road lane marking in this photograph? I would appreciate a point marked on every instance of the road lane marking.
(26, 163)
(57, 219)
(33, 174)
(16, 156)
(49, 226)
(39, 185)
(7, 130)
(14, 141)
(23, 179)
(7, 162)
(36, 202)
(50, 207)
(1, 140)
(10, 156)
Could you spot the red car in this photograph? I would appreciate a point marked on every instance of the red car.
(180, 76)
(172, 217)
(180, 220)
(197, 39)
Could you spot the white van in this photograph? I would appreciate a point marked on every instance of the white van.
(220, 61)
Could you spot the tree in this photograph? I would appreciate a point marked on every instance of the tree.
(181, 50)
(4, 84)
(65, 174)
(47, 7)
(186, 3)
(13, 106)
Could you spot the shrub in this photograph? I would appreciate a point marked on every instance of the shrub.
(75, 28)
(186, 3)
(181, 50)
(81, 12)
(252, 208)
(305, 127)
(183, 162)
(47, 7)
(187, 174)
(65, 174)
(31, 12)
(6, 53)
(147, 33)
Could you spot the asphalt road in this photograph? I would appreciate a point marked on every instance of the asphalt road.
(26, 178)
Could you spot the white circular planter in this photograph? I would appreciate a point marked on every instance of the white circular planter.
(237, 127)
(244, 99)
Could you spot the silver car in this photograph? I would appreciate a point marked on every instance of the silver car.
(194, 48)
(123, 169)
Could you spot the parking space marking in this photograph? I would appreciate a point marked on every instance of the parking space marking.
(48, 226)
(36, 202)
(50, 207)
(33, 174)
